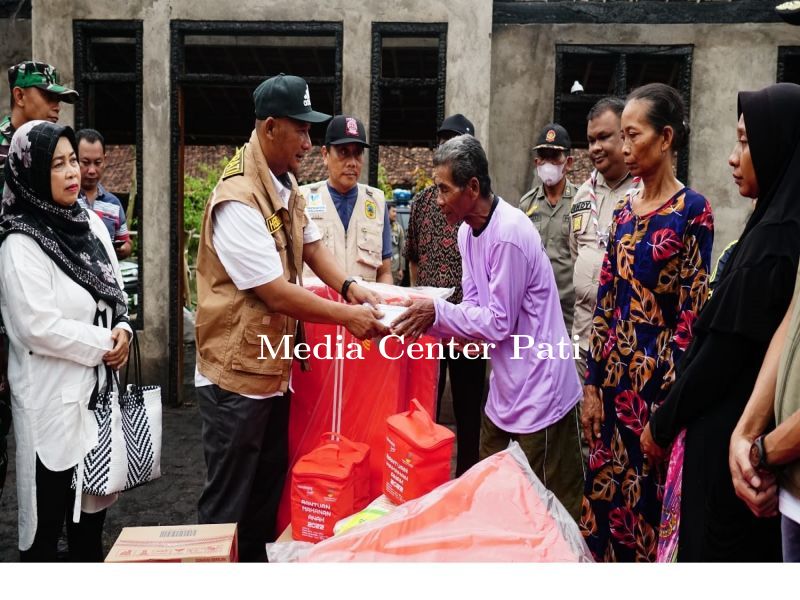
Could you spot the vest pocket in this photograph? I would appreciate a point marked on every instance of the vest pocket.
(263, 347)
(369, 246)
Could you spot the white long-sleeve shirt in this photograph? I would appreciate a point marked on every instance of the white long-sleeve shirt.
(54, 348)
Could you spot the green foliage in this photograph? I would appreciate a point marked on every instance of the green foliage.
(383, 182)
(422, 179)
(196, 192)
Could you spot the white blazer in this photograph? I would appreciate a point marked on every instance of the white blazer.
(54, 347)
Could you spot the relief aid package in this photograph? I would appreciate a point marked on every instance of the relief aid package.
(418, 454)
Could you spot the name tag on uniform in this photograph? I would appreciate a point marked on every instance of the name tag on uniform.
(580, 206)
(536, 217)
(577, 223)
(274, 223)
(315, 204)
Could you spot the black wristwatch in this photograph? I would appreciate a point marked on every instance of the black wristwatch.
(346, 286)
(758, 456)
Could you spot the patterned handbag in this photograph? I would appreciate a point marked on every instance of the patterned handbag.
(128, 450)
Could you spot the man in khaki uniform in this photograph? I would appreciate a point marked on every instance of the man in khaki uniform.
(254, 239)
(398, 245)
(547, 205)
(592, 210)
(351, 216)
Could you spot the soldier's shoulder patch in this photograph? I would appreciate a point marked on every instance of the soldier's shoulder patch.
(235, 165)
(274, 223)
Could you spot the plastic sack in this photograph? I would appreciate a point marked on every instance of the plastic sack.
(372, 388)
(323, 492)
(498, 511)
(418, 454)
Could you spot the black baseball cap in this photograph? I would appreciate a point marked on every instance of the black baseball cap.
(553, 136)
(286, 96)
(458, 124)
(345, 130)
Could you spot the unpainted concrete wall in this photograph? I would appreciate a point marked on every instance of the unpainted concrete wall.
(15, 46)
(726, 59)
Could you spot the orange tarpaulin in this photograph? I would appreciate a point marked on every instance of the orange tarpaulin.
(498, 511)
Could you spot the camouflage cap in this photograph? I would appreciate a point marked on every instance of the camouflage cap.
(32, 73)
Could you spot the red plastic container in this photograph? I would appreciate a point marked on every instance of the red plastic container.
(418, 454)
(323, 492)
(358, 454)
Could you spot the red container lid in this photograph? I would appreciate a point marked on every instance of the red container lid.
(326, 461)
(416, 425)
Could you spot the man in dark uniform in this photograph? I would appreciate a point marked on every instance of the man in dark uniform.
(548, 204)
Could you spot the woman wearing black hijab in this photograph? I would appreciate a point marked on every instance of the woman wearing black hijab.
(59, 279)
(731, 337)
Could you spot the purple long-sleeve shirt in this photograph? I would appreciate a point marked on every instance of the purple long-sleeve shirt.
(510, 290)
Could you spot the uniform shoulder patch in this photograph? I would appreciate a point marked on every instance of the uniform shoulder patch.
(235, 165)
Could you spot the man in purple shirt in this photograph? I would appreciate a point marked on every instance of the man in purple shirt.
(510, 303)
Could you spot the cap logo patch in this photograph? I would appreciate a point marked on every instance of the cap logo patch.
(350, 126)
(307, 99)
(551, 136)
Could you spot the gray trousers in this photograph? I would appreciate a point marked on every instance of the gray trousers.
(245, 442)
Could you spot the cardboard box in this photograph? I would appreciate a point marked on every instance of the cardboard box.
(181, 543)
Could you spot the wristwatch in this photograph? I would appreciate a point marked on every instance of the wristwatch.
(758, 456)
(346, 286)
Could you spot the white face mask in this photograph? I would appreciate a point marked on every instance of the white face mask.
(550, 174)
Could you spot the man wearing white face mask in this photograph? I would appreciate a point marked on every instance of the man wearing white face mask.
(548, 204)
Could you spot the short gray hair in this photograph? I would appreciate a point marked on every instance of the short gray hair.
(466, 159)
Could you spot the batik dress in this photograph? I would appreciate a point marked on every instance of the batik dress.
(653, 282)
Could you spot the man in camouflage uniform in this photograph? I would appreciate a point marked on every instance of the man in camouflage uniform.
(35, 94)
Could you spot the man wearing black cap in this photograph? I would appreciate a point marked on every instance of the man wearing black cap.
(548, 205)
(351, 216)
(35, 94)
(434, 260)
(253, 241)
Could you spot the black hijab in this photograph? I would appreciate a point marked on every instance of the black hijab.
(62, 232)
(757, 284)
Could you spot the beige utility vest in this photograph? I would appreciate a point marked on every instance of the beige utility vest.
(358, 250)
(230, 321)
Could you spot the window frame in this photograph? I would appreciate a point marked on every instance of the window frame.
(378, 82)
(785, 52)
(179, 29)
(83, 31)
(623, 51)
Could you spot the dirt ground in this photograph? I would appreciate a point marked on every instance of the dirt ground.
(171, 500)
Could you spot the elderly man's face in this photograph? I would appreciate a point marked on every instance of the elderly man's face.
(454, 201)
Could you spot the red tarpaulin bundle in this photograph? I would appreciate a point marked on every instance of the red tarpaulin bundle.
(498, 511)
(372, 388)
